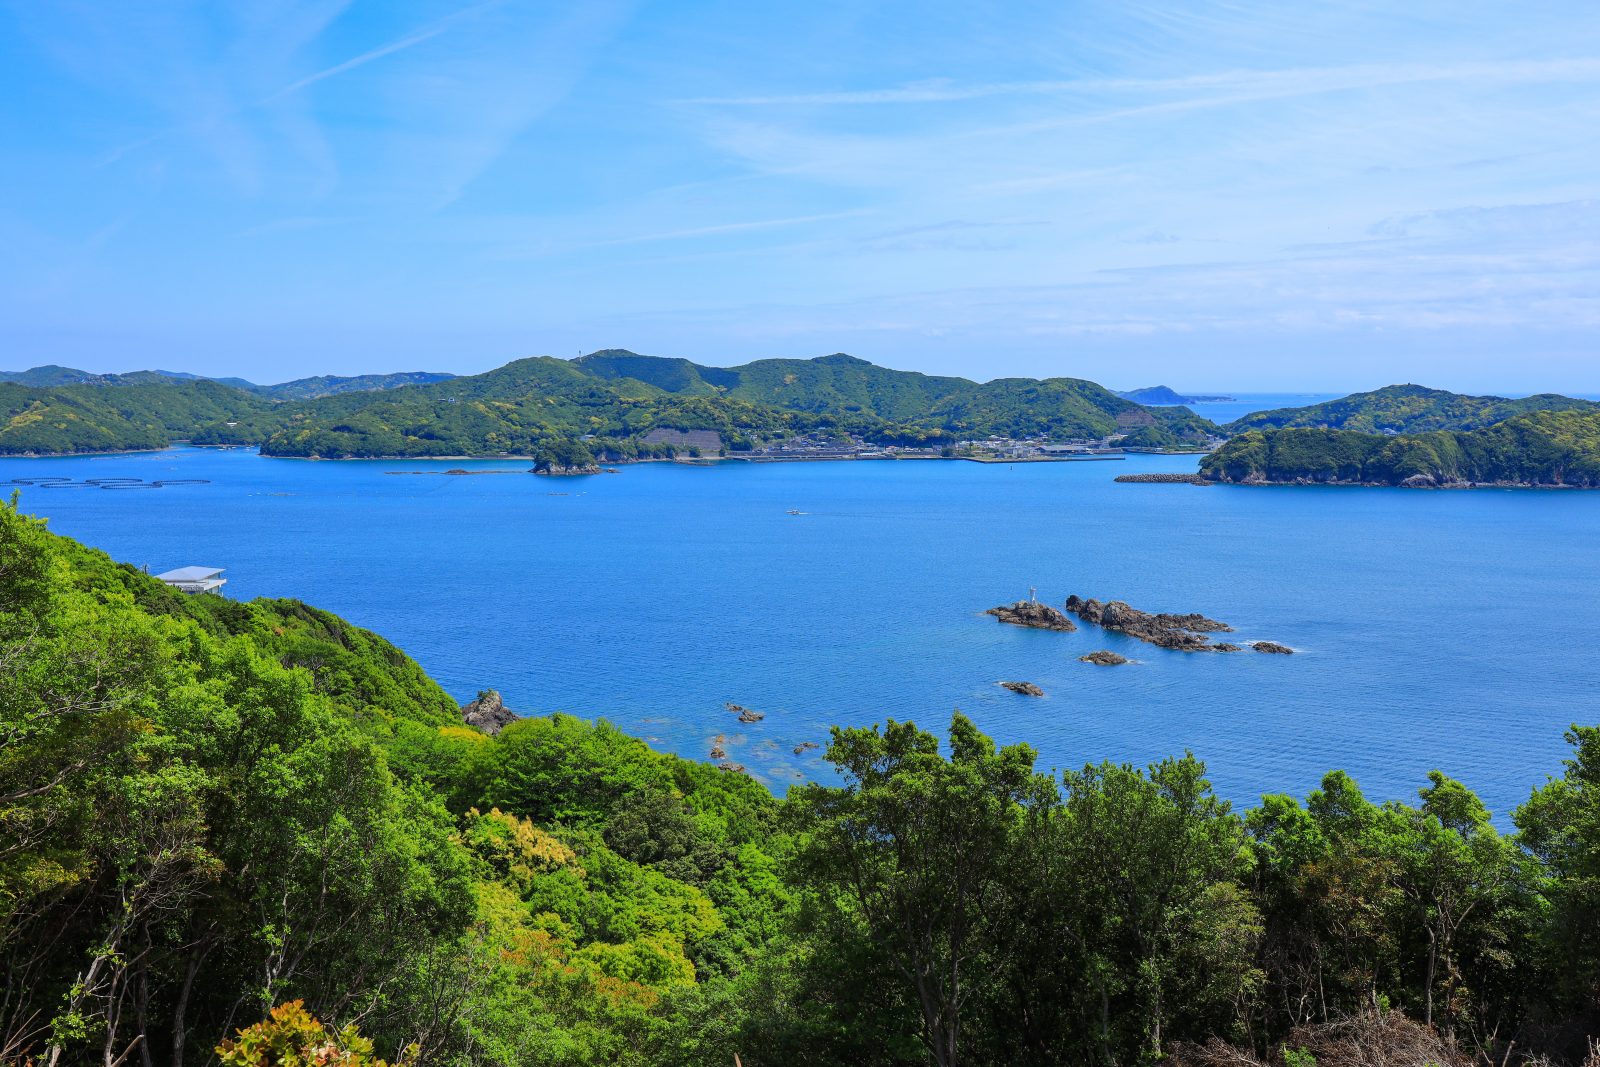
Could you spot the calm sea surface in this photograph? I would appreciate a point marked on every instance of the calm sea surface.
(1457, 630)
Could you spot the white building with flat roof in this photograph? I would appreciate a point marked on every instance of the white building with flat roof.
(194, 579)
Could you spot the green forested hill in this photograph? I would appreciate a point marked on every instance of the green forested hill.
(44, 377)
(139, 411)
(299, 389)
(1408, 409)
(618, 395)
(212, 809)
(332, 384)
(828, 384)
(843, 385)
(546, 406)
(669, 374)
(533, 405)
(523, 408)
(1542, 448)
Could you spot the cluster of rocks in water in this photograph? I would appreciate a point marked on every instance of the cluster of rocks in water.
(719, 750)
(488, 712)
(1185, 633)
(744, 713)
(1034, 614)
(1027, 689)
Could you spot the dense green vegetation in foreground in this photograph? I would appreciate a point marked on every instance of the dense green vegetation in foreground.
(1409, 409)
(543, 406)
(212, 809)
(1543, 448)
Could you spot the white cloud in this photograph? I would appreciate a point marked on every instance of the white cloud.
(1233, 84)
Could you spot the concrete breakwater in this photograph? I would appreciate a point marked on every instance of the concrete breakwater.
(1164, 479)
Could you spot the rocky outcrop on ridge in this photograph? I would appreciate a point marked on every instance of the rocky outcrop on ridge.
(1034, 614)
(558, 470)
(1027, 689)
(1104, 658)
(1183, 632)
(488, 712)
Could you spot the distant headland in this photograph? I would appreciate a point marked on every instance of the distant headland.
(1162, 396)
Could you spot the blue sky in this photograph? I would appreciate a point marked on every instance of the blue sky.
(1233, 195)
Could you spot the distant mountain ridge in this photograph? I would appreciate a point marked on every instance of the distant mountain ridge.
(1019, 407)
(1161, 395)
(51, 375)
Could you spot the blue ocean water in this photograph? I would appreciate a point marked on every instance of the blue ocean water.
(1243, 404)
(1455, 630)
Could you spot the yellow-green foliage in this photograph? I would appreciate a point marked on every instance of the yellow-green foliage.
(514, 849)
(292, 1037)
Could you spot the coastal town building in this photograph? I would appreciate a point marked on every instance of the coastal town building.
(194, 579)
(708, 442)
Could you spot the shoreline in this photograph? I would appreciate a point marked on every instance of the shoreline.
(687, 461)
(90, 455)
(1451, 487)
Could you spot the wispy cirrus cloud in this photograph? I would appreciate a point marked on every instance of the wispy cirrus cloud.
(400, 44)
(1001, 177)
(1252, 83)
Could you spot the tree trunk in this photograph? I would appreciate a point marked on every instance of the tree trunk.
(1427, 995)
(180, 1021)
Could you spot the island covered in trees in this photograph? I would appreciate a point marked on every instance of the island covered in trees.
(256, 829)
